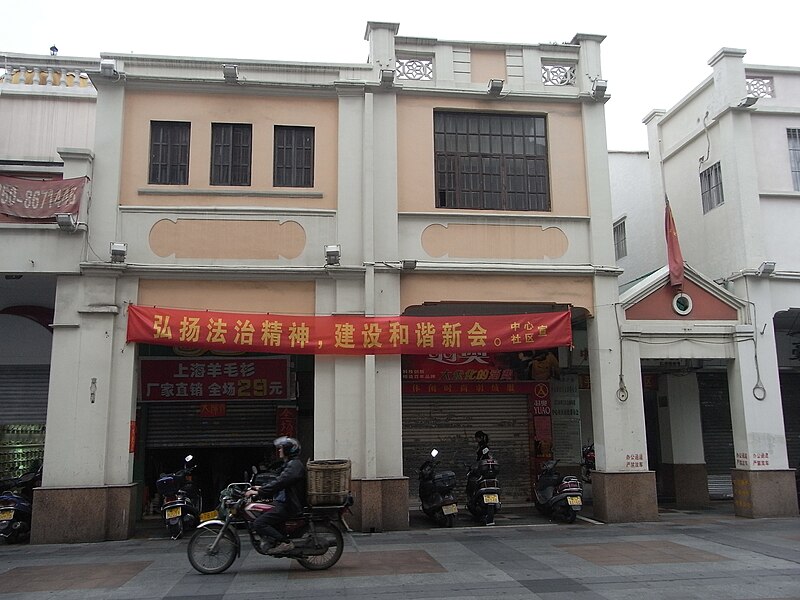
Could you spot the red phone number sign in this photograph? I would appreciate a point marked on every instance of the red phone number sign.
(208, 379)
(347, 334)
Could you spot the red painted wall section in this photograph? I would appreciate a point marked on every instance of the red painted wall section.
(658, 306)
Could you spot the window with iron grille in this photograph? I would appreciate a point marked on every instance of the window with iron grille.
(711, 187)
(231, 148)
(620, 245)
(294, 156)
(169, 153)
(491, 161)
(794, 156)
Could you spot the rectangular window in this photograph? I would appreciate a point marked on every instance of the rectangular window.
(491, 162)
(231, 146)
(794, 156)
(169, 153)
(620, 246)
(711, 187)
(294, 157)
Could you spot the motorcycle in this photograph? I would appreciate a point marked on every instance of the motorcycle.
(556, 495)
(436, 492)
(587, 462)
(16, 506)
(316, 534)
(483, 489)
(182, 501)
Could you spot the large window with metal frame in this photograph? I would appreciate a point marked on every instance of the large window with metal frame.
(491, 161)
(169, 153)
(794, 156)
(231, 150)
(294, 157)
(711, 187)
(620, 245)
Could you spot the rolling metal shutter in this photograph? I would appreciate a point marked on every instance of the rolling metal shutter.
(790, 391)
(23, 394)
(179, 424)
(448, 423)
(715, 414)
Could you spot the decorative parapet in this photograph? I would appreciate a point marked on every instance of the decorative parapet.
(33, 74)
(760, 87)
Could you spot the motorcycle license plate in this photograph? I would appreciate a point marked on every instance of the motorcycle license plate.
(174, 513)
(207, 516)
(450, 509)
(491, 498)
(6, 515)
(574, 500)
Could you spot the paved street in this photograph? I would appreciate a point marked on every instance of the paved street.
(687, 554)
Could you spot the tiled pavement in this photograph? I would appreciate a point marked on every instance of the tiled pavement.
(704, 554)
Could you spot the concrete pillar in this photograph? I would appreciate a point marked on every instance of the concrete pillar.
(623, 488)
(682, 440)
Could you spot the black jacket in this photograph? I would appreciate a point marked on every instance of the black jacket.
(292, 480)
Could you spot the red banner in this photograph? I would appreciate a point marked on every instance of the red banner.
(347, 334)
(40, 199)
(209, 379)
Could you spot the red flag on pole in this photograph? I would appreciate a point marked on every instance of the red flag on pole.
(674, 256)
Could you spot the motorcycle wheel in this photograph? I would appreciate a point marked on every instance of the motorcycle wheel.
(490, 509)
(332, 535)
(199, 550)
(570, 516)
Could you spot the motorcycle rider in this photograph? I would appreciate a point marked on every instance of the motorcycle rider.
(288, 493)
(482, 440)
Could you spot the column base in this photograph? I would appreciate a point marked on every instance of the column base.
(83, 514)
(688, 484)
(380, 505)
(759, 494)
(624, 497)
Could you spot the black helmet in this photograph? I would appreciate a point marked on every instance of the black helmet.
(481, 438)
(291, 447)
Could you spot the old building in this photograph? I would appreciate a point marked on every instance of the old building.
(726, 157)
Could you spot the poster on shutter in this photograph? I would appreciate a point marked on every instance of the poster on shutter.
(565, 401)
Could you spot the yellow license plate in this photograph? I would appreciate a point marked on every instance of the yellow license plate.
(174, 513)
(450, 509)
(491, 498)
(207, 516)
(5, 515)
(574, 500)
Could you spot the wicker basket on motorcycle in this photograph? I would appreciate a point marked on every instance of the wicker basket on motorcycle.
(328, 481)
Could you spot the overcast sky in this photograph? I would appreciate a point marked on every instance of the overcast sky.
(653, 55)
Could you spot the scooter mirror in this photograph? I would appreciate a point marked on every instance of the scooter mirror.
(434, 453)
(188, 458)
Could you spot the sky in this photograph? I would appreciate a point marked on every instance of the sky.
(654, 54)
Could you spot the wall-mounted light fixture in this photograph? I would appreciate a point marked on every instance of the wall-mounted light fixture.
(387, 77)
(230, 73)
(495, 87)
(599, 87)
(766, 269)
(118, 251)
(333, 254)
(67, 222)
(748, 101)
(108, 67)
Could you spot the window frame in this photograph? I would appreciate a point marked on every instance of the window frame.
(231, 154)
(491, 161)
(169, 152)
(793, 140)
(711, 191)
(620, 241)
(287, 170)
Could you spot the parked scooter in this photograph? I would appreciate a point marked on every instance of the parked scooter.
(587, 462)
(316, 534)
(16, 506)
(483, 488)
(181, 500)
(436, 492)
(558, 496)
